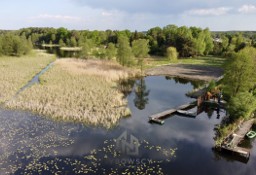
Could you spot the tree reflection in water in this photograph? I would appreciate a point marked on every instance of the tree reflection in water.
(141, 94)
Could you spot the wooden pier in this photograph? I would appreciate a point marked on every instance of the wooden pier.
(159, 117)
(231, 142)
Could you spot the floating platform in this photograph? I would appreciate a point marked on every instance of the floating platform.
(237, 151)
(158, 121)
(159, 117)
(186, 113)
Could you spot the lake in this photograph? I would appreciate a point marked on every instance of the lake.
(32, 144)
(61, 53)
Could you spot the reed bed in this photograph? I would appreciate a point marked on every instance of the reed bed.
(78, 90)
(15, 72)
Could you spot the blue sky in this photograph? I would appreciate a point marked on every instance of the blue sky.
(128, 14)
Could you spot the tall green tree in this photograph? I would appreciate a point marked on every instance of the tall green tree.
(140, 49)
(61, 43)
(200, 44)
(87, 46)
(124, 53)
(208, 41)
(240, 72)
(185, 42)
(73, 42)
(111, 51)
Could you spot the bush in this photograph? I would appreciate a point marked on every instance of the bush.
(172, 54)
(242, 105)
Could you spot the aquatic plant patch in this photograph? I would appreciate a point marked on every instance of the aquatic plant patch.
(15, 72)
(78, 90)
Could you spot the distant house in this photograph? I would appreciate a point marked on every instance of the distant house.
(217, 40)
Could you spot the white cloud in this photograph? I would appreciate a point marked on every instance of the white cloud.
(106, 14)
(247, 9)
(209, 11)
(63, 18)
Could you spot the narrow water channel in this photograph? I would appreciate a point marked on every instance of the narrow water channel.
(35, 79)
(32, 144)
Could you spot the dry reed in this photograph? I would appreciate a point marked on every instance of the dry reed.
(78, 90)
(15, 72)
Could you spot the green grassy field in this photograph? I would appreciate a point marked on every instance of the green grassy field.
(15, 72)
(206, 60)
(77, 90)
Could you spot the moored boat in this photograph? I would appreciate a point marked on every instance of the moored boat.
(251, 134)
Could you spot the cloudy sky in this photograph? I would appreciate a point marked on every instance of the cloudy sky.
(128, 14)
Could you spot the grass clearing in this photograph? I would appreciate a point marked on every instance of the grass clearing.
(15, 72)
(78, 90)
(71, 48)
(206, 60)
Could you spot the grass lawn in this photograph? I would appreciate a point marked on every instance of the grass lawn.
(206, 60)
(78, 90)
(15, 72)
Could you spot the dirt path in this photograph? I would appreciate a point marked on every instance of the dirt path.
(196, 72)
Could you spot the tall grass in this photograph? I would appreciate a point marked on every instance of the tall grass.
(77, 90)
(205, 61)
(15, 72)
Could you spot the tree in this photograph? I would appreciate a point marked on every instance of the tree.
(240, 72)
(172, 54)
(15, 45)
(53, 38)
(200, 45)
(62, 33)
(242, 105)
(61, 43)
(240, 43)
(170, 32)
(140, 49)
(86, 48)
(111, 51)
(208, 41)
(156, 40)
(185, 44)
(73, 42)
(124, 52)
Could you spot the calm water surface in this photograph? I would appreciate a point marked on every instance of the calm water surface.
(31, 144)
(61, 53)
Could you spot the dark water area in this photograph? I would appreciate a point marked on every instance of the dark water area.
(61, 53)
(32, 144)
(35, 79)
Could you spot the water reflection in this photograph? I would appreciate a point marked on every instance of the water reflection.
(31, 144)
(34, 145)
(62, 53)
(126, 86)
(194, 83)
(141, 94)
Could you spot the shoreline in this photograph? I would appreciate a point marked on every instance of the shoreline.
(186, 71)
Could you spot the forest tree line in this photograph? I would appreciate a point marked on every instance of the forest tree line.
(12, 44)
(109, 44)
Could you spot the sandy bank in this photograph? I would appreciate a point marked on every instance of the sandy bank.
(195, 72)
